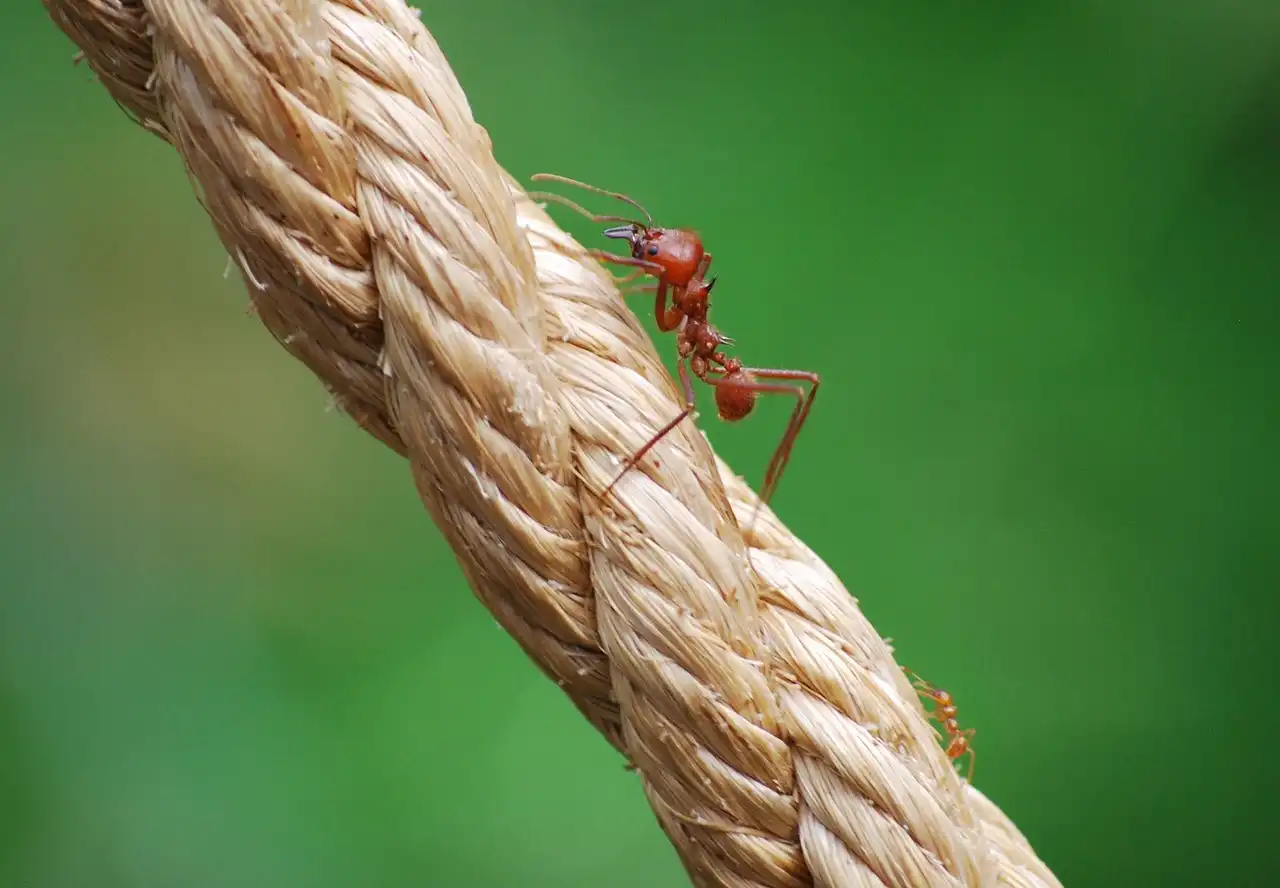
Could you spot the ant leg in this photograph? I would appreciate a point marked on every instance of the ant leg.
(668, 318)
(804, 402)
(923, 687)
(703, 267)
(920, 686)
(616, 195)
(973, 755)
(765, 388)
(628, 278)
(644, 265)
(913, 675)
(665, 430)
(780, 456)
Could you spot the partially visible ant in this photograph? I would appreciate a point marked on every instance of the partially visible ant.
(944, 713)
(677, 259)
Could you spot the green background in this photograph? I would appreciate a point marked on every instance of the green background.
(1033, 253)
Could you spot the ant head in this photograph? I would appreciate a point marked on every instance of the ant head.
(676, 250)
(645, 242)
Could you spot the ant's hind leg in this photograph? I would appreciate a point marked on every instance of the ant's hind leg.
(662, 432)
(804, 402)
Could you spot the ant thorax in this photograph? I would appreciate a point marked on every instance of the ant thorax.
(694, 300)
(698, 339)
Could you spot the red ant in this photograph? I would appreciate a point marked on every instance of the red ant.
(675, 256)
(944, 713)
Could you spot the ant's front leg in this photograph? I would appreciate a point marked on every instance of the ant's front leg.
(668, 318)
(644, 265)
(703, 267)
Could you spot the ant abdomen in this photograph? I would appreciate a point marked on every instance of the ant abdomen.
(734, 399)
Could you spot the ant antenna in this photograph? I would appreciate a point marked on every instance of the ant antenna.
(578, 208)
(617, 195)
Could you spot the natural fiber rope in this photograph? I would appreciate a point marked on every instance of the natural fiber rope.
(384, 247)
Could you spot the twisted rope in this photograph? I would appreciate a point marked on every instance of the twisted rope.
(385, 248)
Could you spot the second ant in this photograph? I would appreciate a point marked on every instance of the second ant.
(945, 714)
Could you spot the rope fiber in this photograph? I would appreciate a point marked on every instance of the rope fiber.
(777, 741)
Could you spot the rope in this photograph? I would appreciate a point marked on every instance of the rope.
(383, 246)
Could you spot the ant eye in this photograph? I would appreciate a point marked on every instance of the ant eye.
(653, 250)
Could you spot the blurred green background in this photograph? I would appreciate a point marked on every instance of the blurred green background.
(1033, 252)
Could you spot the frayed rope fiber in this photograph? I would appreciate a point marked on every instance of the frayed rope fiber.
(777, 741)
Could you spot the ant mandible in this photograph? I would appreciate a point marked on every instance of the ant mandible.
(677, 259)
(944, 713)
